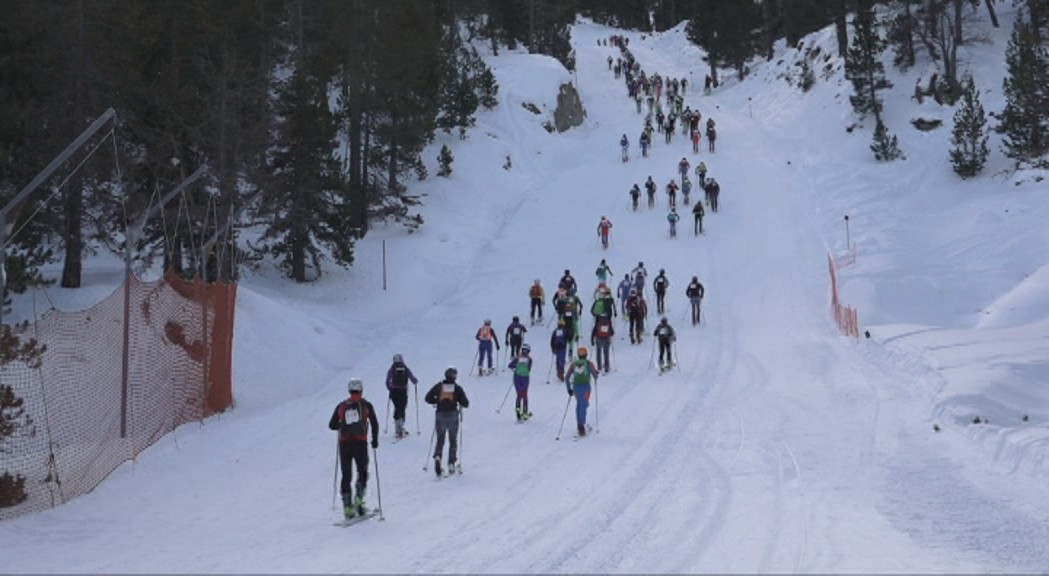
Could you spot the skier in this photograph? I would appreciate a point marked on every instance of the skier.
(686, 189)
(664, 334)
(397, 378)
(673, 218)
(522, 367)
(567, 282)
(578, 380)
(660, 285)
(695, 292)
(447, 397)
(650, 189)
(601, 339)
(645, 141)
(351, 418)
(682, 168)
(570, 311)
(695, 141)
(640, 275)
(697, 215)
(485, 339)
(701, 173)
(712, 135)
(604, 305)
(635, 194)
(603, 228)
(514, 336)
(714, 189)
(536, 294)
(624, 145)
(603, 272)
(672, 193)
(624, 291)
(559, 348)
(636, 310)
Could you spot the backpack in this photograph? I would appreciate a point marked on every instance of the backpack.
(604, 330)
(598, 309)
(523, 367)
(535, 292)
(581, 373)
(354, 418)
(661, 283)
(400, 375)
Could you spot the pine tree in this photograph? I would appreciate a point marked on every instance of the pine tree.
(863, 68)
(969, 136)
(886, 148)
(13, 418)
(445, 159)
(1025, 120)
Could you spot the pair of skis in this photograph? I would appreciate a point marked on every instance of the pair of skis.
(357, 519)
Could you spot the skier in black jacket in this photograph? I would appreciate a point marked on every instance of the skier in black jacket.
(351, 418)
(447, 397)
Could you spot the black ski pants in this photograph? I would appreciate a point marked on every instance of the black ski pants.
(537, 308)
(661, 300)
(664, 350)
(399, 397)
(353, 452)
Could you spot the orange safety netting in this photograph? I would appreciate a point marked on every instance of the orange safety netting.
(82, 425)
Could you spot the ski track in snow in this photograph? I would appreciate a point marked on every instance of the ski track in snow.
(775, 445)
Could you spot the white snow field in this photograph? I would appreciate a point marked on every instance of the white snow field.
(779, 446)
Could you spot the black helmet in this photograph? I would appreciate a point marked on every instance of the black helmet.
(695, 278)
(567, 273)
(516, 319)
(450, 374)
(661, 271)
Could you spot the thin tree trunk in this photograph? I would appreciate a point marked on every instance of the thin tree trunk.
(74, 193)
(842, 28)
(991, 12)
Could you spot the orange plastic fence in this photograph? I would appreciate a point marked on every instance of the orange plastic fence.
(179, 367)
(844, 316)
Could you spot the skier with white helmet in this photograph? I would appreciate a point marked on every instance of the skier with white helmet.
(351, 419)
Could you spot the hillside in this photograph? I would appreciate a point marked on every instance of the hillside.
(778, 445)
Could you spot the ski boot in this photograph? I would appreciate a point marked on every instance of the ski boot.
(437, 465)
(348, 510)
(358, 500)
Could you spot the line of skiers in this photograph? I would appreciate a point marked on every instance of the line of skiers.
(353, 416)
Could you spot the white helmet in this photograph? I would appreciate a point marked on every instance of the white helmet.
(356, 385)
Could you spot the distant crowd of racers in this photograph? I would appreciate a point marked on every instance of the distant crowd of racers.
(574, 368)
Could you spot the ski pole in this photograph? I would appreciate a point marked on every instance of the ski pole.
(433, 434)
(652, 357)
(612, 350)
(677, 363)
(597, 409)
(386, 430)
(569, 401)
(459, 452)
(505, 396)
(474, 361)
(550, 370)
(418, 430)
(335, 476)
(378, 485)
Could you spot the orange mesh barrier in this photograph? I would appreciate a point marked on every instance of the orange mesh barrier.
(844, 316)
(179, 366)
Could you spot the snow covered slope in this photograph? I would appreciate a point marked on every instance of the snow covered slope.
(779, 445)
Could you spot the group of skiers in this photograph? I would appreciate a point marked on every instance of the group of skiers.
(354, 416)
